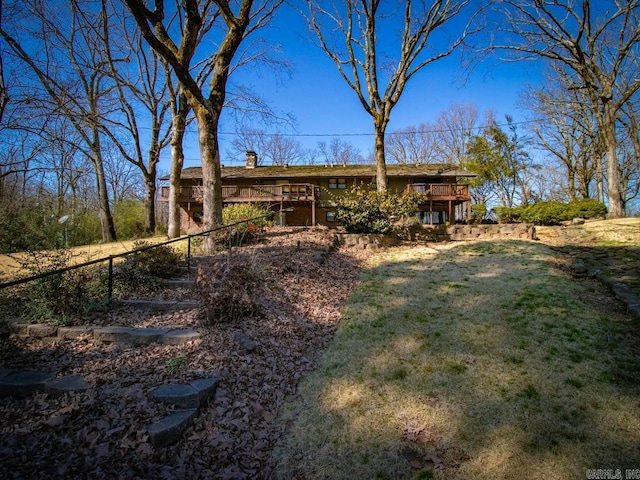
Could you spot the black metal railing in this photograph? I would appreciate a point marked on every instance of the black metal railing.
(111, 258)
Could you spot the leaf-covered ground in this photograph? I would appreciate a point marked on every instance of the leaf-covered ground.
(102, 433)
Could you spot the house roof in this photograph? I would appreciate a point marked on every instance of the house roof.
(325, 171)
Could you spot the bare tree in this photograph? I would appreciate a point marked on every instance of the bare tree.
(414, 144)
(65, 52)
(339, 152)
(593, 41)
(272, 148)
(454, 129)
(180, 109)
(196, 19)
(4, 96)
(377, 77)
(566, 130)
(143, 91)
(123, 177)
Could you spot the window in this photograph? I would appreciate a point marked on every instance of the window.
(331, 216)
(338, 183)
(197, 217)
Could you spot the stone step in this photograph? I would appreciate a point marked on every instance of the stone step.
(23, 384)
(170, 428)
(195, 394)
(113, 334)
(66, 384)
(189, 399)
(160, 305)
(180, 283)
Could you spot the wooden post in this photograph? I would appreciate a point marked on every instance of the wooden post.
(431, 211)
(313, 212)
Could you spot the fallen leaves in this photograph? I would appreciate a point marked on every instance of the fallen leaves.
(101, 433)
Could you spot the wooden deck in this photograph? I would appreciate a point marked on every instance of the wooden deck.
(291, 192)
(441, 191)
(306, 192)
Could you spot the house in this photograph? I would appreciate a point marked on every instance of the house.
(302, 194)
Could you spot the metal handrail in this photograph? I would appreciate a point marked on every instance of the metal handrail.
(110, 258)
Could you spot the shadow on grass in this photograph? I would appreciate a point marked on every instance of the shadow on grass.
(482, 361)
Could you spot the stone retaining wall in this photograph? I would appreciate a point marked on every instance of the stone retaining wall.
(502, 231)
(366, 241)
(506, 231)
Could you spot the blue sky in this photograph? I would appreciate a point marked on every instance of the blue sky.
(322, 103)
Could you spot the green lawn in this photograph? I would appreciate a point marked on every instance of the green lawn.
(479, 360)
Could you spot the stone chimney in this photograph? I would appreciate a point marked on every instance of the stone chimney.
(252, 159)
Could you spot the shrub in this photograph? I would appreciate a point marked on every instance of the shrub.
(505, 215)
(248, 231)
(161, 261)
(543, 213)
(479, 212)
(228, 294)
(30, 228)
(141, 271)
(128, 219)
(363, 210)
(60, 296)
(551, 213)
(586, 208)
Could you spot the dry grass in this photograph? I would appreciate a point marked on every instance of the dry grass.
(622, 231)
(478, 360)
(10, 264)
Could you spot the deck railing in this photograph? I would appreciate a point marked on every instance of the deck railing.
(442, 191)
(253, 193)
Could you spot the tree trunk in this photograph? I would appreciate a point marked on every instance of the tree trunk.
(177, 162)
(614, 194)
(104, 209)
(571, 182)
(381, 166)
(150, 205)
(212, 188)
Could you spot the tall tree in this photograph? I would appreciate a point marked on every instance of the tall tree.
(180, 109)
(144, 104)
(4, 96)
(597, 43)
(500, 160)
(196, 19)
(375, 74)
(63, 45)
(565, 129)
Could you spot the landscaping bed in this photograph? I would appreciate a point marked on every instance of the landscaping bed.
(103, 431)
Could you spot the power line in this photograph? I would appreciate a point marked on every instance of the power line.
(369, 134)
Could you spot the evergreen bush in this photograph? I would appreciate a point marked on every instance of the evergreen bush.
(247, 231)
(551, 213)
(361, 209)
